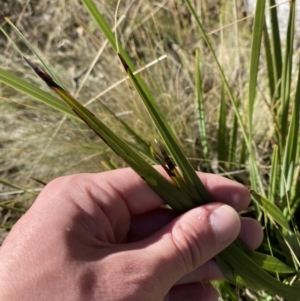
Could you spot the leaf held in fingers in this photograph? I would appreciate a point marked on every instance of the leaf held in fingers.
(168, 192)
(194, 184)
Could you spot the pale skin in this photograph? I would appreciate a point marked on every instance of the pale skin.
(105, 237)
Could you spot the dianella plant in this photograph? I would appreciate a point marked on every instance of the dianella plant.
(273, 271)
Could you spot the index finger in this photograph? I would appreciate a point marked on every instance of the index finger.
(140, 198)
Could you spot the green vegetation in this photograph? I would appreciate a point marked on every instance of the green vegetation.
(223, 90)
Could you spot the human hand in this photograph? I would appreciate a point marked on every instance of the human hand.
(105, 237)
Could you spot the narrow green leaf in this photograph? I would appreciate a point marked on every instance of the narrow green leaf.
(286, 76)
(259, 20)
(243, 149)
(109, 164)
(233, 143)
(267, 262)
(201, 113)
(293, 242)
(258, 26)
(255, 277)
(141, 143)
(10, 184)
(197, 189)
(271, 210)
(34, 92)
(274, 175)
(105, 28)
(256, 177)
(29, 45)
(228, 89)
(276, 48)
(19, 188)
(13, 209)
(225, 265)
(291, 153)
(270, 263)
(222, 132)
(270, 66)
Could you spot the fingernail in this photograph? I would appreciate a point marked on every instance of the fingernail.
(225, 223)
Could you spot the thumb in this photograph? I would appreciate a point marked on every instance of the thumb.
(190, 240)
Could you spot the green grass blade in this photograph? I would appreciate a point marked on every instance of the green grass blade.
(242, 158)
(12, 185)
(222, 132)
(105, 28)
(271, 210)
(29, 45)
(19, 188)
(109, 164)
(10, 208)
(276, 48)
(201, 113)
(256, 178)
(141, 143)
(197, 189)
(259, 21)
(291, 150)
(34, 92)
(270, 66)
(286, 75)
(233, 144)
(10, 40)
(267, 262)
(270, 263)
(255, 277)
(258, 26)
(274, 176)
(292, 241)
(225, 266)
(231, 97)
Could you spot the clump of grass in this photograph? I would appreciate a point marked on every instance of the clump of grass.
(226, 122)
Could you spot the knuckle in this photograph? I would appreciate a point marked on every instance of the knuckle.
(62, 182)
